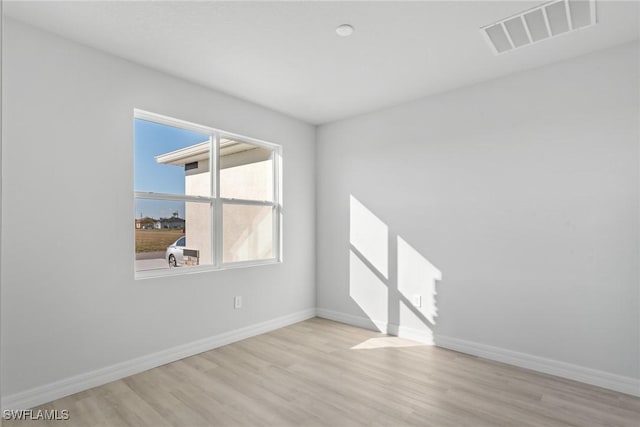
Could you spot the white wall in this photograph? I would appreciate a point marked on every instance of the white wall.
(70, 304)
(523, 192)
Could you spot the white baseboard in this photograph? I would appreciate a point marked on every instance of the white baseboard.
(425, 337)
(349, 319)
(570, 371)
(56, 390)
(422, 336)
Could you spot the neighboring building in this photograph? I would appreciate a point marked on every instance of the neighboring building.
(246, 172)
(145, 223)
(170, 223)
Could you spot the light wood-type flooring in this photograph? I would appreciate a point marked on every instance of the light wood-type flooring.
(323, 373)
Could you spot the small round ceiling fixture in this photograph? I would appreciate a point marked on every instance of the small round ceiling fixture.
(344, 30)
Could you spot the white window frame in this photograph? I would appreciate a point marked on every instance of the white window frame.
(216, 202)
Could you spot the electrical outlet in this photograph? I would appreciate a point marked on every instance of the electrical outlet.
(237, 302)
(417, 301)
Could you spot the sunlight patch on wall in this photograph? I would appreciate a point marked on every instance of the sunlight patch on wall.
(367, 290)
(369, 236)
(416, 276)
(404, 303)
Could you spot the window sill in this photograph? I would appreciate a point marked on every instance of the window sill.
(181, 271)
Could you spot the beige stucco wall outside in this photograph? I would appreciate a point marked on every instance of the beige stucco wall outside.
(198, 215)
(247, 230)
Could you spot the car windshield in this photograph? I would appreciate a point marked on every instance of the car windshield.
(181, 242)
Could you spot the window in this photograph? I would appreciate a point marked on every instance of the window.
(204, 199)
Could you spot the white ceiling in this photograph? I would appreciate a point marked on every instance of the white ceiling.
(286, 55)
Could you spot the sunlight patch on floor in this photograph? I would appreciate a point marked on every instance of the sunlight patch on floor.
(385, 342)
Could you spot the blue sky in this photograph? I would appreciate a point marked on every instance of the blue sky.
(152, 139)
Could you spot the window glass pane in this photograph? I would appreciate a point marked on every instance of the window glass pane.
(172, 234)
(247, 232)
(246, 171)
(171, 160)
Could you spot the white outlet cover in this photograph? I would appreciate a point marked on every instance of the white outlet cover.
(417, 300)
(237, 302)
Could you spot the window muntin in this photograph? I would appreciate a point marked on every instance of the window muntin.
(230, 217)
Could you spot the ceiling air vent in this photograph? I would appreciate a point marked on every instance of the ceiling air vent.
(539, 23)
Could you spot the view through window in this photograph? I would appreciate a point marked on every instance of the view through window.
(203, 198)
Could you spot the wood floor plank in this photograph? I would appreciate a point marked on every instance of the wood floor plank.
(323, 373)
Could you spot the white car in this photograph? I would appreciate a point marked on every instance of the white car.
(175, 252)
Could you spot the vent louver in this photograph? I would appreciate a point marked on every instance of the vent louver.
(542, 22)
